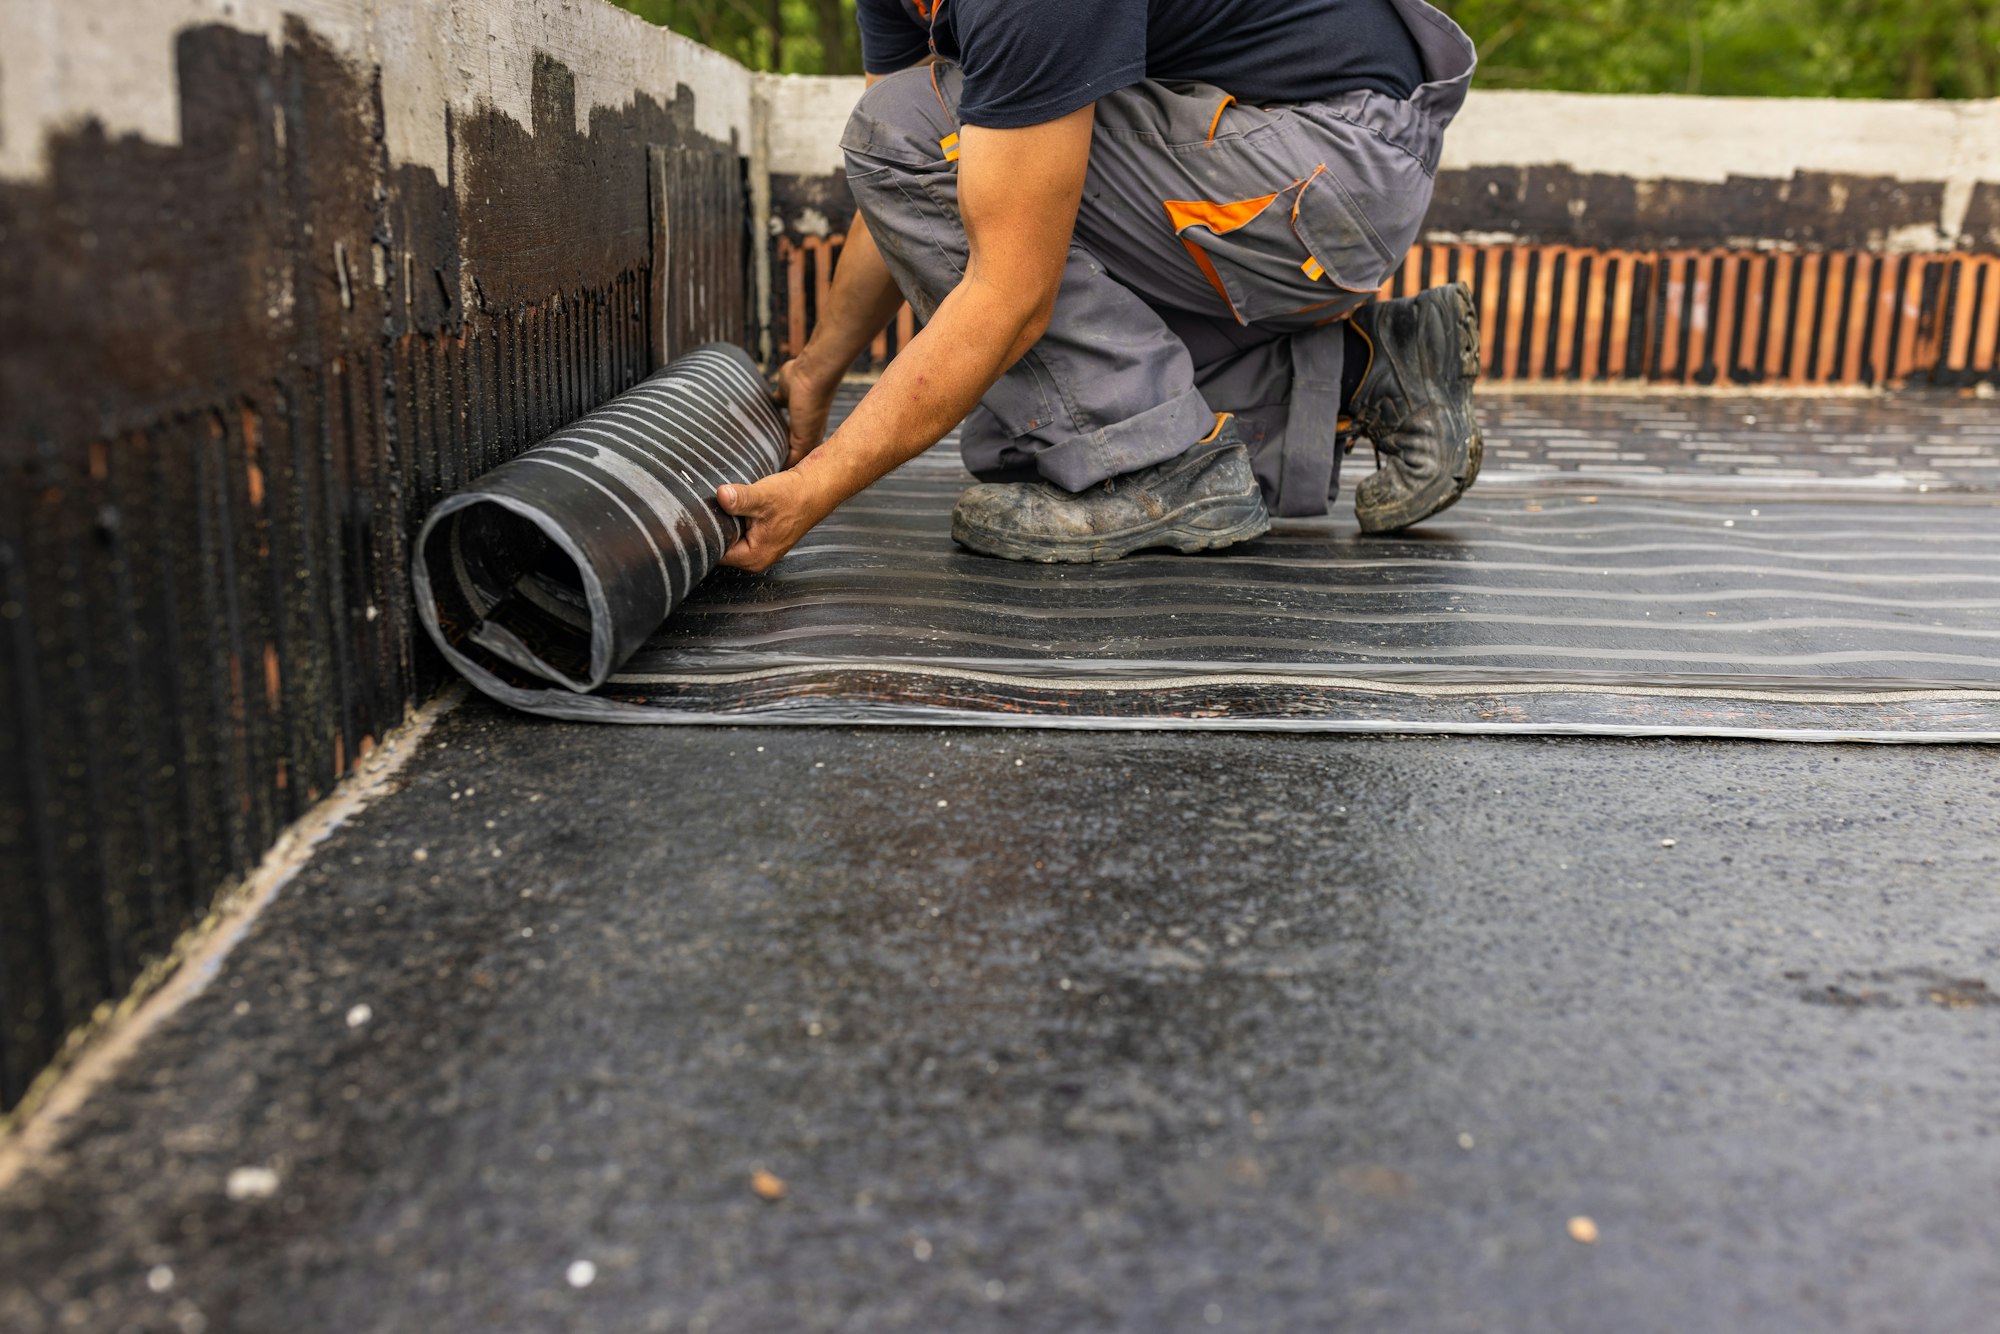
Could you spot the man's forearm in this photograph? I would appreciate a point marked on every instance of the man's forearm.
(859, 305)
(978, 332)
(1018, 191)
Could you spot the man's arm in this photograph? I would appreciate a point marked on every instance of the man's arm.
(1018, 192)
(859, 305)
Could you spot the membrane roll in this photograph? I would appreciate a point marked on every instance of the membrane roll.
(546, 574)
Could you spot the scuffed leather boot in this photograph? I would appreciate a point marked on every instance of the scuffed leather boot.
(1415, 403)
(1205, 498)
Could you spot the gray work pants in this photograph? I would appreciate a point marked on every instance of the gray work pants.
(1217, 250)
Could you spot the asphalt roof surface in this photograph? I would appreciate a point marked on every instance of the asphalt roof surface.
(1069, 1031)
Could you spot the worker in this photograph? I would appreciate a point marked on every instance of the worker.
(1143, 237)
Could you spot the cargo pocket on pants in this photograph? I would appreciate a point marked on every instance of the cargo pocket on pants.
(1290, 252)
(1338, 237)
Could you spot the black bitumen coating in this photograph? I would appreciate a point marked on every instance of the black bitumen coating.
(1151, 1033)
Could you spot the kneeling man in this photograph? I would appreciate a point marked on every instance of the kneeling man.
(1143, 237)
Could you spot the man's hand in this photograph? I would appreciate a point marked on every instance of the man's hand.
(776, 512)
(807, 399)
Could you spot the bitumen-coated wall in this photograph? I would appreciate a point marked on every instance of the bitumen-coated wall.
(275, 277)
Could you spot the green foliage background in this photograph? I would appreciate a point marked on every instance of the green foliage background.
(1750, 48)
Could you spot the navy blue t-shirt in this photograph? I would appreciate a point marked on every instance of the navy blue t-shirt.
(1031, 61)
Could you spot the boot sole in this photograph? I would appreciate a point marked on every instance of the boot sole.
(1442, 494)
(1216, 524)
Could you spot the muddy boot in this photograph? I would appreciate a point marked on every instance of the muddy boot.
(1205, 498)
(1415, 403)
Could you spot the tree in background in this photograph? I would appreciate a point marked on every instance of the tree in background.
(1745, 48)
(789, 36)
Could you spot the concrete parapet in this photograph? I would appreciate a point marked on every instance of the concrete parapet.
(1678, 239)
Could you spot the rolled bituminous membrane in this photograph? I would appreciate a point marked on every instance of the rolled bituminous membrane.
(538, 580)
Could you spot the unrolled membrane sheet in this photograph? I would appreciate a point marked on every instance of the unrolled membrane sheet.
(1682, 602)
(544, 576)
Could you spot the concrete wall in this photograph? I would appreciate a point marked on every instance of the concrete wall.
(1886, 177)
(1650, 239)
(275, 276)
(1523, 168)
(64, 64)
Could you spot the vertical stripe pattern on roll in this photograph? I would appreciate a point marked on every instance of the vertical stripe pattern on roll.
(552, 569)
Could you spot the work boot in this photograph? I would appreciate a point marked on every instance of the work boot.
(1415, 403)
(1205, 498)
